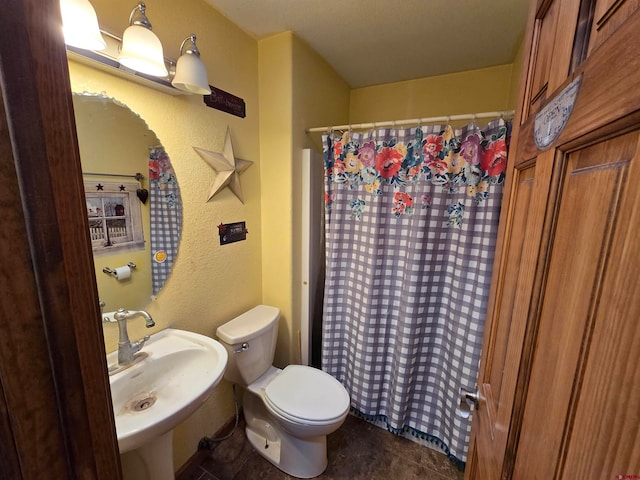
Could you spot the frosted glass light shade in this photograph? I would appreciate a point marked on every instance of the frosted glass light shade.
(142, 52)
(191, 75)
(80, 25)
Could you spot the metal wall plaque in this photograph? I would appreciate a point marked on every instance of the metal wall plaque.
(232, 232)
(551, 120)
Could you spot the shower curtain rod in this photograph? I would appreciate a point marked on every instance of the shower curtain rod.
(395, 123)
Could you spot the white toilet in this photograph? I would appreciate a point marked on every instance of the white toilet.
(289, 412)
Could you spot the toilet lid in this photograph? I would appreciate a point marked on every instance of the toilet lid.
(307, 394)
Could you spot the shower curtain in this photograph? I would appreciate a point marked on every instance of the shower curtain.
(166, 216)
(411, 222)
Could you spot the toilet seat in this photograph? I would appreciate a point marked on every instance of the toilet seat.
(307, 395)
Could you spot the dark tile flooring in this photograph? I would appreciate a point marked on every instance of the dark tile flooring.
(357, 450)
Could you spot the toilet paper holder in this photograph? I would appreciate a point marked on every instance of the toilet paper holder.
(112, 271)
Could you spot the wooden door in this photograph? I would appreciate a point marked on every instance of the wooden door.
(56, 418)
(559, 393)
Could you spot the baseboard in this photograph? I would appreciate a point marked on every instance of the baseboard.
(198, 457)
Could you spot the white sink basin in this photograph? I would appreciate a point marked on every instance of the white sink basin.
(174, 374)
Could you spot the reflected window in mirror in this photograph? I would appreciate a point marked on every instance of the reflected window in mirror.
(115, 217)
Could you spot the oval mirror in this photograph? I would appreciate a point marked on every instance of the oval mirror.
(133, 202)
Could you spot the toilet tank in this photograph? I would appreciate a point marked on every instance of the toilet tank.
(250, 340)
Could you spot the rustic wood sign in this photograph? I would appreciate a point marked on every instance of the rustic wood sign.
(221, 100)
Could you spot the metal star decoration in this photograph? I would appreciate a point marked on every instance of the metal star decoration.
(227, 168)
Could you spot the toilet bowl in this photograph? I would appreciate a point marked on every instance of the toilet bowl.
(288, 412)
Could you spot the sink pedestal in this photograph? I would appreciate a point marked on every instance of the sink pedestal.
(151, 461)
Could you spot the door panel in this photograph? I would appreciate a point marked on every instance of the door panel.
(546, 26)
(516, 244)
(608, 16)
(607, 412)
(589, 209)
(552, 50)
(508, 329)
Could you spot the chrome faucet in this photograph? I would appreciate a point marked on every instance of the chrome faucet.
(126, 349)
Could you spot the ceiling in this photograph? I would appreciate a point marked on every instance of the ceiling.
(371, 42)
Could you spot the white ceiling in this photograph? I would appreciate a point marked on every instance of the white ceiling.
(370, 42)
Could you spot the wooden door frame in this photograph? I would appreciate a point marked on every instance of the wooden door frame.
(56, 419)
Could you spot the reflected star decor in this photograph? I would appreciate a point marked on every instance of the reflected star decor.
(227, 168)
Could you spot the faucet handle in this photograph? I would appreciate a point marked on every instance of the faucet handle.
(136, 346)
(121, 314)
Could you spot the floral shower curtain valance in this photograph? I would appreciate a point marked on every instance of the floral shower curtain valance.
(472, 161)
(411, 221)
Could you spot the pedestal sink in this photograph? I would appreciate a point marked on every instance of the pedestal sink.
(171, 377)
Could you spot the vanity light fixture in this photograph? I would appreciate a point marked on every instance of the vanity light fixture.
(80, 25)
(138, 55)
(191, 74)
(141, 48)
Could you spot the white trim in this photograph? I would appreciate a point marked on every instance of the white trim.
(311, 243)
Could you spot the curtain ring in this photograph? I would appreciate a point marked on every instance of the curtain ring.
(374, 131)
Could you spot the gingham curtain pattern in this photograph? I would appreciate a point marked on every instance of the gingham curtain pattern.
(408, 274)
(166, 216)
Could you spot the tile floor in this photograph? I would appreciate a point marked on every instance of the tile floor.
(358, 450)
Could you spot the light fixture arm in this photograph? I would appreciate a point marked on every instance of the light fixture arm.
(138, 16)
(192, 49)
(191, 74)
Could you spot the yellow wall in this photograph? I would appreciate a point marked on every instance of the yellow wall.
(276, 179)
(320, 97)
(210, 283)
(473, 91)
(514, 86)
(298, 89)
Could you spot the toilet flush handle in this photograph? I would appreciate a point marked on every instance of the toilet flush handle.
(243, 348)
